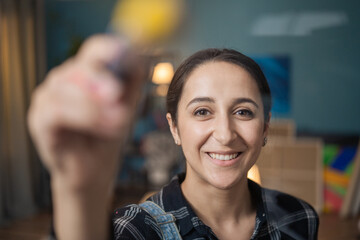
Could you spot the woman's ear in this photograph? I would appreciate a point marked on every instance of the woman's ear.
(173, 129)
(267, 126)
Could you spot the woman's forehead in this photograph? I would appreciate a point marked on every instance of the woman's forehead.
(219, 79)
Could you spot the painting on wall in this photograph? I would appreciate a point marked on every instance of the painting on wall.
(277, 72)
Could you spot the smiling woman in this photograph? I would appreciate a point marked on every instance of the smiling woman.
(218, 112)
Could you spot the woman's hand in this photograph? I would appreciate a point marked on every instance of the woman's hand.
(79, 118)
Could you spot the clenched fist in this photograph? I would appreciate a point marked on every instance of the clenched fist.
(79, 118)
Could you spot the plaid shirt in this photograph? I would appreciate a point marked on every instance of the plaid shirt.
(279, 216)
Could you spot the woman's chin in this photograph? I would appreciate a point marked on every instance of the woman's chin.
(225, 182)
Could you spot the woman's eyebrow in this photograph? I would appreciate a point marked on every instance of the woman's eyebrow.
(211, 100)
(245, 100)
(200, 99)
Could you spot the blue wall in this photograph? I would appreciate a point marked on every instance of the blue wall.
(324, 82)
(68, 22)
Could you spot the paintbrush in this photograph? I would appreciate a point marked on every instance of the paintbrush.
(143, 25)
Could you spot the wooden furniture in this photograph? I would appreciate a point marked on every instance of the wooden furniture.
(294, 166)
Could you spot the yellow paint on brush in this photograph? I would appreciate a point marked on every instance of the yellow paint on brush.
(146, 22)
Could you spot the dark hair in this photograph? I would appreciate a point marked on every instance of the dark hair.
(220, 55)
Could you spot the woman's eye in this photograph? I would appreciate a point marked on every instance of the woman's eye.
(201, 112)
(244, 113)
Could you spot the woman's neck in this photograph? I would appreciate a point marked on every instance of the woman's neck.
(219, 206)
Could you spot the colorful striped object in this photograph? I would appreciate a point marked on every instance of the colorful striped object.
(338, 166)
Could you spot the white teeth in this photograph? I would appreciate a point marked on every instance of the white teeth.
(223, 157)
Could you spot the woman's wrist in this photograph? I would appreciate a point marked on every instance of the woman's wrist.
(73, 189)
(81, 214)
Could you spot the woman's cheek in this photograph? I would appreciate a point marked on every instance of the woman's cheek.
(252, 132)
(196, 131)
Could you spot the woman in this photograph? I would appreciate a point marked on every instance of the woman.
(218, 111)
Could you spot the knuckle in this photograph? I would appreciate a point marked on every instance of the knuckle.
(92, 42)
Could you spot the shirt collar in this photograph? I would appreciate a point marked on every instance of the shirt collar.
(257, 196)
(256, 192)
(174, 202)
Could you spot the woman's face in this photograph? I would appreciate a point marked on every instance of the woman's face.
(220, 124)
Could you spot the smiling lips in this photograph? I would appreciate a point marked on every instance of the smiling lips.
(223, 157)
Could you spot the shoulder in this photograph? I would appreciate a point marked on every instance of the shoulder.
(132, 222)
(285, 203)
(292, 216)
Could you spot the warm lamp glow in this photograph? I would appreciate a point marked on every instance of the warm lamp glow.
(163, 73)
(254, 174)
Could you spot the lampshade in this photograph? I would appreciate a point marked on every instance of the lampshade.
(163, 73)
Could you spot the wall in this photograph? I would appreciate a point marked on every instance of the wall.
(69, 22)
(320, 37)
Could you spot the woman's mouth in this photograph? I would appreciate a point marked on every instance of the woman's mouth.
(224, 157)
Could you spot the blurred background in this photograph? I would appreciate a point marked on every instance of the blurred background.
(308, 51)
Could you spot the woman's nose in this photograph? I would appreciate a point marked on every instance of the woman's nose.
(224, 131)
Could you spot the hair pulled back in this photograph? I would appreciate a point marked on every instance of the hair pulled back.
(217, 55)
